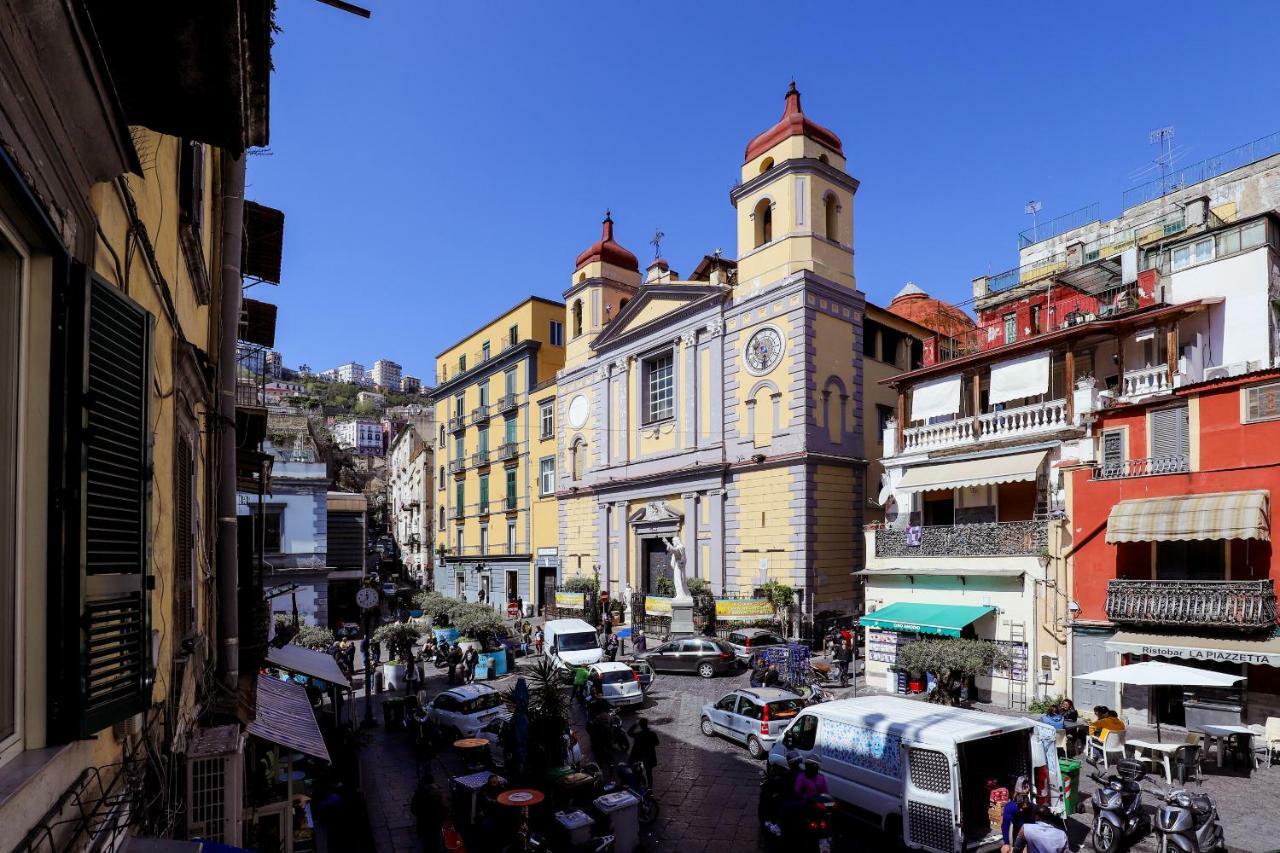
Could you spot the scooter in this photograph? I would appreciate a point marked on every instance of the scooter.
(1117, 807)
(812, 823)
(1187, 823)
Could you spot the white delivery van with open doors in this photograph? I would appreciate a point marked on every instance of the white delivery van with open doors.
(923, 771)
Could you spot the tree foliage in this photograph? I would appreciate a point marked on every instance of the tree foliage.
(314, 637)
(399, 639)
(548, 716)
(952, 658)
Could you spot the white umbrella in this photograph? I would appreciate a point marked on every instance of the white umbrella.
(1154, 673)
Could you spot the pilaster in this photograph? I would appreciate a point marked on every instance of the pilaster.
(690, 534)
(715, 518)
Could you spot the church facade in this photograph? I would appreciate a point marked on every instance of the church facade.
(723, 411)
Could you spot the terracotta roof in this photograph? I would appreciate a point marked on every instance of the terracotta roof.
(793, 123)
(915, 305)
(606, 249)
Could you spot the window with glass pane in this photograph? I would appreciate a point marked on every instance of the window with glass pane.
(1262, 402)
(511, 537)
(511, 488)
(484, 492)
(660, 385)
(513, 335)
(1010, 328)
(458, 403)
(1253, 234)
(484, 393)
(462, 364)
(509, 382)
(547, 413)
(483, 440)
(557, 333)
(459, 448)
(484, 351)
(459, 498)
(509, 430)
(10, 281)
(484, 539)
(547, 476)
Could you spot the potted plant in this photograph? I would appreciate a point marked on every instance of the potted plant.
(398, 638)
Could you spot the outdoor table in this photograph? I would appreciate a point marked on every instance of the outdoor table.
(1166, 752)
(471, 748)
(1220, 735)
(472, 785)
(521, 798)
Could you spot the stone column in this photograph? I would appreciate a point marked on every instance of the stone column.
(621, 556)
(687, 434)
(602, 553)
(715, 518)
(690, 535)
(606, 416)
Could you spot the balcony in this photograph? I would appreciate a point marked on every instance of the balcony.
(480, 413)
(1145, 382)
(506, 403)
(457, 424)
(457, 466)
(456, 513)
(481, 508)
(1151, 467)
(480, 458)
(997, 539)
(508, 450)
(992, 426)
(511, 503)
(1237, 605)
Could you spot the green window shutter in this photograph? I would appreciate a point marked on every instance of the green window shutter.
(100, 667)
(511, 430)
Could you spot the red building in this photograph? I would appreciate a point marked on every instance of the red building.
(1171, 550)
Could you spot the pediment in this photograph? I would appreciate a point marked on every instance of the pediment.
(655, 512)
(654, 304)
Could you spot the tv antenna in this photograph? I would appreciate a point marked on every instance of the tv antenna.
(1031, 208)
(656, 242)
(1163, 137)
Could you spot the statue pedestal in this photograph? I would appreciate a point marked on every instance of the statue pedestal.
(682, 616)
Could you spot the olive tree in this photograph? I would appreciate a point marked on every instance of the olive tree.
(948, 658)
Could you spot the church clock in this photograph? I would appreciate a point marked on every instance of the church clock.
(764, 350)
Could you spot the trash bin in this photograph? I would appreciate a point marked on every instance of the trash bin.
(623, 811)
(1070, 785)
(576, 826)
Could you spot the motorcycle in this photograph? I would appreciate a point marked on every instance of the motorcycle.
(1117, 807)
(1187, 823)
(812, 823)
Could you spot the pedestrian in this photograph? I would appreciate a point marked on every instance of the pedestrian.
(1053, 716)
(1045, 835)
(469, 661)
(771, 676)
(455, 661)
(638, 644)
(644, 748)
(580, 677)
(611, 648)
(843, 656)
(376, 647)
(526, 639)
(606, 623)
(537, 640)
(1016, 812)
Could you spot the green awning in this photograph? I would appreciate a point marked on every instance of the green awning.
(942, 620)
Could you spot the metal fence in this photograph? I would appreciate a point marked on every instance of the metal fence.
(1208, 168)
(1059, 225)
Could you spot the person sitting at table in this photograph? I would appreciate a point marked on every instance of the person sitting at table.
(1105, 720)
(1069, 712)
(1053, 716)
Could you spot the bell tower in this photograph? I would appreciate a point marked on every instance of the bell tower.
(605, 277)
(795, 202)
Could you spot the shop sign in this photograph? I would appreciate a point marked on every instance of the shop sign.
(1214, 655)
(570, 600)
(729, 609)
(655, 606)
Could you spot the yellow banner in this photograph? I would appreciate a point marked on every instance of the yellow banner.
(571, 600)
(655, 606)
(743, 608)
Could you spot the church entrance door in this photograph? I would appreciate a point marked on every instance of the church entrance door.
(657, 564)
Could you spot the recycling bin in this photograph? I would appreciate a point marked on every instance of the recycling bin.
(623, 812)
(576, 826)
(1070, 785)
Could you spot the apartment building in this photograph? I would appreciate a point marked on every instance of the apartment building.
(352, 372)
(359, 435)
(410, 384)
(385, 375)
(487, 424)
(410, 469)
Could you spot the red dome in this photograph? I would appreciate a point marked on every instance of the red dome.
(607, 250)
(915, 305)
(793, 123)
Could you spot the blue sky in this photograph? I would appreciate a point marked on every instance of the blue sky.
(439, 162)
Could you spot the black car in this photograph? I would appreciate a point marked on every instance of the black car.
(693, 655)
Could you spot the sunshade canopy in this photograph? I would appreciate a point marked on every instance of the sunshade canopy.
(308, 662)
(940, 620)
(1221, 515)
(285, 717)
(1154, 673)
(1015, 468)
(1255, 650)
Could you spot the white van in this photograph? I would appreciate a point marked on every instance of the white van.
(571, 642)
(919, 770)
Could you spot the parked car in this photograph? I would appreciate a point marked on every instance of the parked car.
(707, 658)
(621, 684)
(644, 672)
(495, 731)
(755, 717)
(570, 643)
(464, 711)
(389, 590)
(748, 641)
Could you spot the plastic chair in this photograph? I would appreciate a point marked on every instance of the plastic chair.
(1112, 743)
(1271, 736)
(1187, 757)
(1060, 741)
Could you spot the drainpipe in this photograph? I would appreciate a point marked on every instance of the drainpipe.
(227, 573)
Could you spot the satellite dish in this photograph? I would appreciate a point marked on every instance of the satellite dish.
(886, 490)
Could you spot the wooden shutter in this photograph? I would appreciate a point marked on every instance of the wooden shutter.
(184, 539)
(1169, 433)
(1112, 451)
(99, 585)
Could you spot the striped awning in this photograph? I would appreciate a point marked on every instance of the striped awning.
(1221, 515)
(285, 717)
(1014, 468)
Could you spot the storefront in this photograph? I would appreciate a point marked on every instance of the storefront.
(893, 626)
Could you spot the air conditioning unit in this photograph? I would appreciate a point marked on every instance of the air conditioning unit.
(215, 784)
(1226, 371)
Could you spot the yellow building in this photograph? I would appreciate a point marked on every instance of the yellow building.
(490, 436)
(121, 205)
(724, 408)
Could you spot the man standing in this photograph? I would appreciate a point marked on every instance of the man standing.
(843, 656)
(469, 661)
(611, 647)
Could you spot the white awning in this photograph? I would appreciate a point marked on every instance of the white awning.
(935, 398)
(1255, 650)
(1016, 468)
(1016, 378)
(983, 571)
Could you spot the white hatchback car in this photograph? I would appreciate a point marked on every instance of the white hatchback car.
(464, 711)
(621, 683)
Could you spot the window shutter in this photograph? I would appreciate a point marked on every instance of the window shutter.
(99, 586)
(1169, 433)
(184, 539)
(1112, 450)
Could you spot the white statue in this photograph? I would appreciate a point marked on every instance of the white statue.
(675, 552)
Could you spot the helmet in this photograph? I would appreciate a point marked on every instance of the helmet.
(811, 765)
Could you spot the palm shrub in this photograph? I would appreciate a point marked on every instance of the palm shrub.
(548, 716)
(949, 658)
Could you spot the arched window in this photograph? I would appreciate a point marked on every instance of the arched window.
(578, 459)
(577, 317)
(582, 277)
(833, 217)
(766, 164)
(622, 303)
(764, 221)
(441, 437)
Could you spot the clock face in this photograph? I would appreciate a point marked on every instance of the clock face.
(578, 411)
(367, 597)
(764, 350)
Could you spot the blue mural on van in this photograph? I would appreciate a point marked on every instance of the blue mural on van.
(862, 747)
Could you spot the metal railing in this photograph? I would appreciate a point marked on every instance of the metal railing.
(1060, 225)
(512, 502)
(479, 458)
(506, 402)
(457, 465)
(996, 539)
(508, 450)
(1240, 605)
(457, 424)
(1178, 179)
(480, 413)
(1149, 467)
(1027, 273)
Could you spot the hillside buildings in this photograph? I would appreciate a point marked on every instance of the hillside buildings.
(410, 384)
(410, 475)
(362, 436)
(385, 375)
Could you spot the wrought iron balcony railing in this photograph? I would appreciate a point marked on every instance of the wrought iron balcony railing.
(1150, 467)
(480, 413)
(996, 539)
(479, 458)
(506, 402)
(508, 450)
(457, 465)
(457, 424)
(1241, 605)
